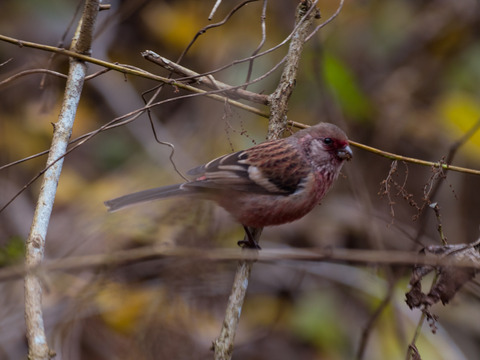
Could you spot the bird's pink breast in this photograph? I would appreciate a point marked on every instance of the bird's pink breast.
(258, 210)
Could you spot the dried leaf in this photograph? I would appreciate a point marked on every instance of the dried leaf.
(449, 278)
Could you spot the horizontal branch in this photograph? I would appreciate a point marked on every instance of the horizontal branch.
(393, 156)
(133, 71)
(358, 256)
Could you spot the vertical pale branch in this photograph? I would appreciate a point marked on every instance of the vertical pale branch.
(223, 345)
(35, 245)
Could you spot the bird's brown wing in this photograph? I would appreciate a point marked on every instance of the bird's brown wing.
(271, 167)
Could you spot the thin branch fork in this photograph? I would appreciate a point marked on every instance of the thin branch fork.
(208, 80)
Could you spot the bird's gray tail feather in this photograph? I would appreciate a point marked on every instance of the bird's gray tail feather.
(145, 196)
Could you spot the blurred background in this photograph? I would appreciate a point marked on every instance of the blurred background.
(401, 76)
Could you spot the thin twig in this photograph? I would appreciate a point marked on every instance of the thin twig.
(5, 62)
(436, 209)
(393, 156)
(32, 71)
(214, 9)
(441, 174)
(412, 347)
(372, 320)
(262, 42)
(155, 135)
(328, 21)
(220, 23)
(209, 81)
(61, 42)
(462, 140)
(47, 72)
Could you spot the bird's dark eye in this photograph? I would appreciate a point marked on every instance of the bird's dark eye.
(328, 141)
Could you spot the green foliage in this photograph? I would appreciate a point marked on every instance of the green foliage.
(343, 84)
(13, 251)
(316, 321)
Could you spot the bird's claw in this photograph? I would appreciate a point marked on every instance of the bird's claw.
(248, 244)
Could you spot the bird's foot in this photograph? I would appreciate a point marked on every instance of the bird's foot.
(249, 241)
(247, 244)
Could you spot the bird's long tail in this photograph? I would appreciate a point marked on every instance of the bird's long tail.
(145, 196)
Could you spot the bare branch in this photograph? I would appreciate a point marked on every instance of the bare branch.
(392, 156)
(220, 23)
(223, 345)
(262, 41)
(356, 256)
(209, 81)
(306, 13)
(214, 9)
(32, 71)
(35, 245)
(371, 322)
(330, 19)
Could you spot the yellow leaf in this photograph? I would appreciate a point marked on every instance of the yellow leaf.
(123, 307)
(174, 25)
(459, 112)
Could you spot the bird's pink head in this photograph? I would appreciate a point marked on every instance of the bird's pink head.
(326, 140)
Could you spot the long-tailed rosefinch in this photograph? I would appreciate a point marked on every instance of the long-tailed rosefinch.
(271, 183)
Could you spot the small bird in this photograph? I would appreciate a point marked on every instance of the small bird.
(272, 183)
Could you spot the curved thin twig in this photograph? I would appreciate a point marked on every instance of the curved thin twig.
(220, 23)
(32, 71)
(262, 41)
(329, 20)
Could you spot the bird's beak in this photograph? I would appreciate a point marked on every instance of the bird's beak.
(345, 153)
